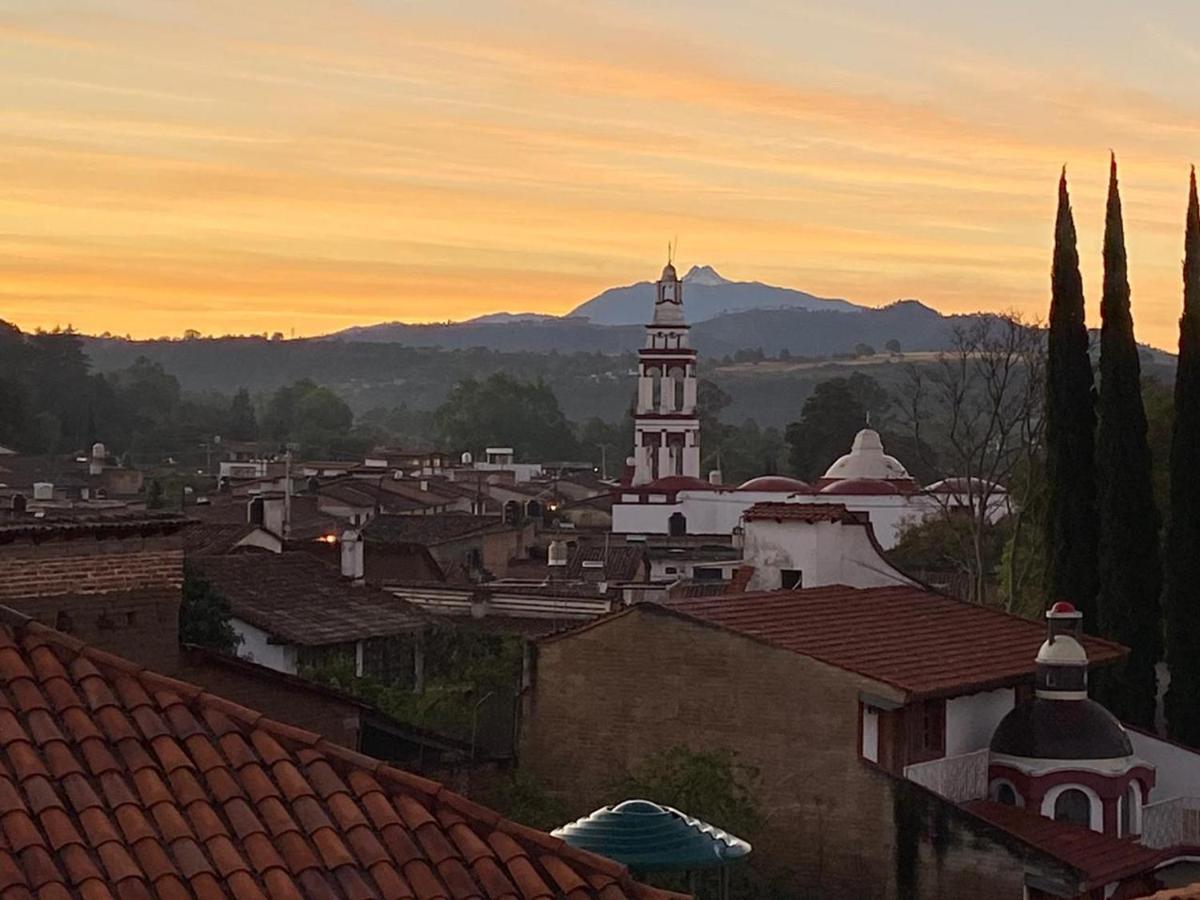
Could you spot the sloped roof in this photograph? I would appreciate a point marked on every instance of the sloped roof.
(208, 538)
(1100, 858)
(298, 598)
(117, 781)
(804, 512)
(428, 530)
(623, 562)
(920, 642)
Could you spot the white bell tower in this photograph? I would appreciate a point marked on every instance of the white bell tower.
(666, 430)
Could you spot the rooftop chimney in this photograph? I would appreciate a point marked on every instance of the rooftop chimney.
(43, 490)
(96, 461)
(352, 555)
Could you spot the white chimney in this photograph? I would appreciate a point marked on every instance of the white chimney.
(352, 555)
(43, 490)
(96, 462)
(556, 555)
(467, 459)
(424, 485)
(714, 477)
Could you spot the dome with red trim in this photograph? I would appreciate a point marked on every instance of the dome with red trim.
(672, 483)
(1064, 608)
(776, 484)
(866, 459)
(861, 487)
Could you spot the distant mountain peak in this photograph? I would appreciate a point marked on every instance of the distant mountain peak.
(704, 275)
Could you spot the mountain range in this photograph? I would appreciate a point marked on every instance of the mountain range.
(726, 316)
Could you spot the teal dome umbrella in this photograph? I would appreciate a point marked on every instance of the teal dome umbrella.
(647, 838)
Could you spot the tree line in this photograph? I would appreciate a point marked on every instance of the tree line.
(1103, 532)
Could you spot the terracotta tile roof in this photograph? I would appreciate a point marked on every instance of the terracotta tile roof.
(921, 642)
(65, 524)
(428, 530)
(1099, 858)
(118, 782)
(804, 512)
(208, 538)
(302, 600)
(621, 563)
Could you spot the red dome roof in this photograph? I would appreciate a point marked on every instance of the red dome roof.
(680, 483)
(862, 486)
(1062, 608)
(776, 484)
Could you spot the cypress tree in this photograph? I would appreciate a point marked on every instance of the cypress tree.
(1181, 600)
(1071, 532)
(1130, 567)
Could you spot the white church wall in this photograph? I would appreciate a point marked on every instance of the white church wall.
(970, 720)
(823, 552)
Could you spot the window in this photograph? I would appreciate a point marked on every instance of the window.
(1073, 805)
(1130, 803)
(926, 726)
(791, 579)
(677, 525)
(706, 573)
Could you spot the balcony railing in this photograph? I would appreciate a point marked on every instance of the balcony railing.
(957, 778)
(1172, 823)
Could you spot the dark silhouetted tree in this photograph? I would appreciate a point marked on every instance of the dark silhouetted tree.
(1130, 567)
(243, 425)
(1070, 532)
(204, 615)
(1181, 601)
(504, 411)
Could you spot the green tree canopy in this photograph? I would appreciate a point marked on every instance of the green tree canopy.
(205, 614)
(1130, 565)
(502, 411)
(833, 414)
(243, 424)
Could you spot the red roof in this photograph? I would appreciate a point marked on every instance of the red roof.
(681, 483)
(804, 512)
(777, 484)
(863, 486)
(920, 642)
(1100, 858)
(115, 781)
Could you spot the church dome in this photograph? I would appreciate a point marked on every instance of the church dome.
(668, 273)
(866, 459)
(861, 486)
(776, 484)
(1057, 729)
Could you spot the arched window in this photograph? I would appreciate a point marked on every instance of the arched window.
(1005, 794)
(677, 525)
(1073, 805)
(1131, 802)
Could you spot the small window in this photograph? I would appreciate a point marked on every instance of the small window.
(1073, 806)
(671, 570)
(926, 727)
(706, 573)
(791, 579)
(1129, 804)
(677, 525)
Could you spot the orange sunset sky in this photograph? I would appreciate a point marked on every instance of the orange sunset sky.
(270, 165)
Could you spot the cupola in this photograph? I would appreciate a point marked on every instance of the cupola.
(1060, 752)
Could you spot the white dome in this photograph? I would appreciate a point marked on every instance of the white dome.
(1064, 651)
(866, 459)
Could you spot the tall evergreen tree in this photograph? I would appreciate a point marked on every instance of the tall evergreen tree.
(1130, 567)
(243, 426)
(1181, 602)
(1071, 532)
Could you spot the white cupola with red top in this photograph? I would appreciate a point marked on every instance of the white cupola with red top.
(1062, 754)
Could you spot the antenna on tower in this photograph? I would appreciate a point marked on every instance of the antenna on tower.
(668, 253)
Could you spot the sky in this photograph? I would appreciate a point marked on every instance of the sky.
(305, 165)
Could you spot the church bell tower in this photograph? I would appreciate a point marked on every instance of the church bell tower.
(666, 429)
